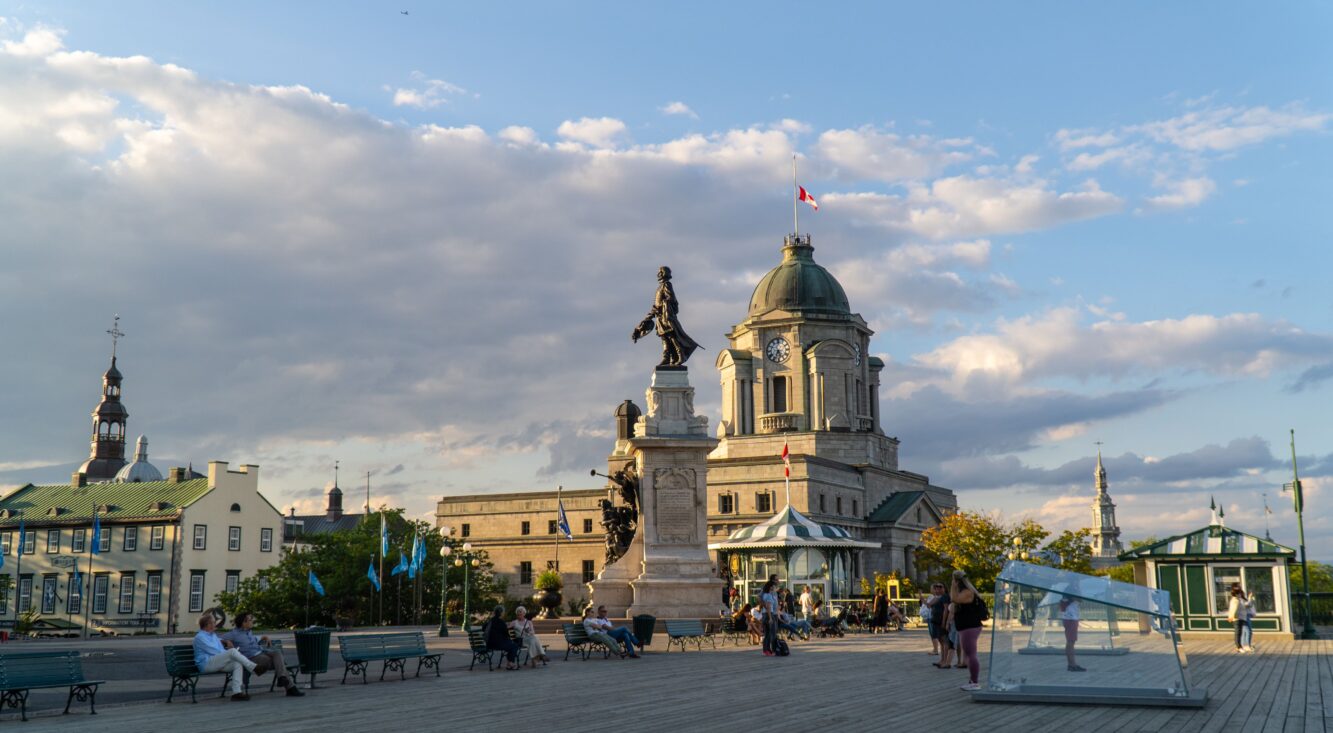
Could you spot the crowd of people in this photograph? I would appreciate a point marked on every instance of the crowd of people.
(953, 620)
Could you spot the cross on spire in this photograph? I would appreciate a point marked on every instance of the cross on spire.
(115, 334)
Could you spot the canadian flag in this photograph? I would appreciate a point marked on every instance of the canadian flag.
(806, 197)
(786, 455)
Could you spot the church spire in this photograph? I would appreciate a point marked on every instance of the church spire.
(107, 455)
(1099, 475)
(1106, 545)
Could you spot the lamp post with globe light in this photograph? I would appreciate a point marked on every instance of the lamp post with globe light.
(466, 562)
(445, 552)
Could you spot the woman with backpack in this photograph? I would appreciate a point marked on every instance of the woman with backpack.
(969, 612)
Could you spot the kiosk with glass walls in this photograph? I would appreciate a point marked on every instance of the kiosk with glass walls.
(1064, 637)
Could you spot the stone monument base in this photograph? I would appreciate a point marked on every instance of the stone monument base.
(612, 587)
(677, 597)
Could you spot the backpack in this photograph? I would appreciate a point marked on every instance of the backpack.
(781, 648)
(983, 613)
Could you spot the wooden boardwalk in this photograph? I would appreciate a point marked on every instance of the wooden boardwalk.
(859, 683)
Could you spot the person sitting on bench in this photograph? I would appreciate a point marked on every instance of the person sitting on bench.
(260, 652)
(619, 633)
(497, 637)
(597, 632)
(212, 654)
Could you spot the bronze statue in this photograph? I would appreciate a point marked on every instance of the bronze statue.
(619, 524)
(626, 481)
(676, 344)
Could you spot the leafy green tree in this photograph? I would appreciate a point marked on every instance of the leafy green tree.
(1125, 573)
(1074, 551)
(281, 596)
(975, 543)
(1321, 578)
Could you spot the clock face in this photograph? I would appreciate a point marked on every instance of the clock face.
(778, 350)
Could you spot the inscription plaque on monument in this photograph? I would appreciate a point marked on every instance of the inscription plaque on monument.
(674, 511)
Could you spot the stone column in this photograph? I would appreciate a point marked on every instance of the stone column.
(671, 446)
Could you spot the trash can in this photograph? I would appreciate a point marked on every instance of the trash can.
(643, 628)
(312, 651)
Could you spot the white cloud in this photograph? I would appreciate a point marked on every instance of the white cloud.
(1183, 194)
(678, 108)
(599, 132)
(868, 153)
(1075, 139)
(1228, 128)
(38, 42)
(431, 93)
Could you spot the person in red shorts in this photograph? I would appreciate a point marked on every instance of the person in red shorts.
(1069, 617)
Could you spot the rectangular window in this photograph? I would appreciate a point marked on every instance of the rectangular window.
(131, 542)
(525, 528)
(200, 538)
(763, 502)
(525, 573)
(6, 543)
(838, 504)
(74, 594)
(29, 542)
(25, 593)
(101, 584)
(104, 542)
(196, 591)
(552, 526)
(855, 513)
(587, 526)
(126, 593)
(266, 539)
(726, 503)
(78, 543)
(4, 598)
(154, 602)
(49, 593)
(53, 542)
(1258, 585)
(1223, 577)
(821, 503)
(467, 530)
(158, 538)
(233, 580)
(234, 539)
(779, 394)
(589, 572)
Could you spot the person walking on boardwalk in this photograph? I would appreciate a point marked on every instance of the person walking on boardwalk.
(768, 600)
(969, 609)
(1069, 618)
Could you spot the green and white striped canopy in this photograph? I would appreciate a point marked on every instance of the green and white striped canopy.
(790, 528)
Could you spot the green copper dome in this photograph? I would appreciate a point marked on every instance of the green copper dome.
(799, 284)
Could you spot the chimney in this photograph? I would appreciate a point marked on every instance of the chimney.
(78, 479)
(174, 475)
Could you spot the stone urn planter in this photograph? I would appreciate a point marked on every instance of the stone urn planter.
(550, 601)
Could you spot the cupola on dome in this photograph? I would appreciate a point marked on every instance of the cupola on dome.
(140, 470)
(799, 284)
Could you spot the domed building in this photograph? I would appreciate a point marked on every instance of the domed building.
(798, 373)
(140, 470)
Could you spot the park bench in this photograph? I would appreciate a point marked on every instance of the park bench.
(578, 640)
(185, 674)
(685, 632)
(25, 671)
(476, 639)
(737, 632)
(393, 649)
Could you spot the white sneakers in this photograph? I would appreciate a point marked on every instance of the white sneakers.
(971, 687)
(1245, 650)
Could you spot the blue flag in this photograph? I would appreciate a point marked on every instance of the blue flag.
(401, 567)
(563, 522)
(384, 536)
(76, 585)
(416, 557)
(20, 550)
(97, 534)
(370, 573)
(314, 583)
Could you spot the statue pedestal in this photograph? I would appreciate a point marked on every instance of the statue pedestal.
(671, 447)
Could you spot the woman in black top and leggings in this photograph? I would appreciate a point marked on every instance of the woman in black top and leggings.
(967, 619)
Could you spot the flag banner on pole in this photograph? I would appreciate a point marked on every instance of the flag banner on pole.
(384, 536)
(370, 573)
(401, 567)
(416, 557)
(21, 534)
(421, 556)
(314, 583)
(786, 459)
(564, 521)
(805, 196)
(97, 535)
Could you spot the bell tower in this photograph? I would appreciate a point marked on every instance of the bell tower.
(109, 419)
(1106, 547)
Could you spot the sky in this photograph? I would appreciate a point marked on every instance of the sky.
(416, 243)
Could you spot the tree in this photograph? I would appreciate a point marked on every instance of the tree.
(1125, 573)
(280, 595)
(975, 543)
(1321, 578)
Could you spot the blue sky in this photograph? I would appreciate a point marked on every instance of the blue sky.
(415, 242)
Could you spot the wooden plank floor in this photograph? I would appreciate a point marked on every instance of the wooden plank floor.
(859, 683)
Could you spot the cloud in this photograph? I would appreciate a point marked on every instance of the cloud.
(914, 281)
(600, 132)
(39, 42)
(1183, 194)
(1224, 129)
(431, 93)
(678, 108)
(1312, 378)
(869, 153)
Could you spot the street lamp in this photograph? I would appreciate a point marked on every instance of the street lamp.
(466, 563)
(445, 552)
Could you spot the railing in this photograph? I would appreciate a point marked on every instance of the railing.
(777, 422)
(1321, 609)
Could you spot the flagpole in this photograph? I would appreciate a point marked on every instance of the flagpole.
(1309, 631)
(558, 489)
(92, 555)
(309, 571)
(18, 570)
(795, 216)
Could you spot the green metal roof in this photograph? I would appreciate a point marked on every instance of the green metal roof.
(127, 501)
(892, 508)
(1213, 540)
(800, 285)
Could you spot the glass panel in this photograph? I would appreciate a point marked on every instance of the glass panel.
(1223, 577)
(1259, 586)
(1058, 633)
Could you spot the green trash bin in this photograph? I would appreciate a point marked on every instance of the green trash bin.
(312, 651)
(643, 628)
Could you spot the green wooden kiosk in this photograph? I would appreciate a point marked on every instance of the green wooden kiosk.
(1198, 568)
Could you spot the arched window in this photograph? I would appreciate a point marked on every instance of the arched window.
(235, 507)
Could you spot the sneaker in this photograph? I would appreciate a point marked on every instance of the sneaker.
(971, 687)
(240, 697)
(1076, 668)
(294, 691)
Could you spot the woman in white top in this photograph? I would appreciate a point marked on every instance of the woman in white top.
(527, 637)
(1239, 610)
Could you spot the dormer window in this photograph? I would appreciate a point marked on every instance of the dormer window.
(105, 508)
(235, 507)
(56, 511)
